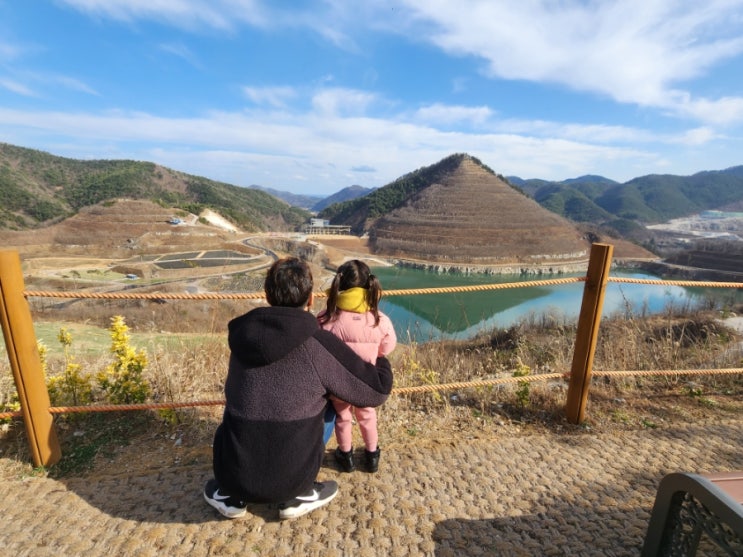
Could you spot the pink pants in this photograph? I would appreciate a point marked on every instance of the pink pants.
(365, 417)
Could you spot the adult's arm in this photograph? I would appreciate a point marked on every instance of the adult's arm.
(348, 377)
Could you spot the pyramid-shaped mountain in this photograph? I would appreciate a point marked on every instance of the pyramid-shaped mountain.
(468, 215)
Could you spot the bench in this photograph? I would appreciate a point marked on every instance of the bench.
(695, 511)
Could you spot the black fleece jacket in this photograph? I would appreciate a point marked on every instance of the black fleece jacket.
(269, 446)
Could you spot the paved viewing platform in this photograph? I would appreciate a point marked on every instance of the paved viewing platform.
(511, 494)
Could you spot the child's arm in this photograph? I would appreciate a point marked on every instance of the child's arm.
(389, 341)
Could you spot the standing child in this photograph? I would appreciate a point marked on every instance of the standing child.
(353, 315)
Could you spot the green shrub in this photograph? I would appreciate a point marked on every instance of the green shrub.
(123, 380)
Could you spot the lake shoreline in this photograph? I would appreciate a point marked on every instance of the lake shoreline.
(670, 271)
(515, 268)
(654, 266)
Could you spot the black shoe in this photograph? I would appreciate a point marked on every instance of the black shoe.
(345, 460)
(227, 505)
(372, 460)
(321, 494)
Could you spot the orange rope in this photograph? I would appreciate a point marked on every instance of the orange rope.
(396, 391)
(141, 406)
(691, 283)
(144, 296)
(649, 372)
(482, 287)
(261, 295)
(399, 292)
(483, 383)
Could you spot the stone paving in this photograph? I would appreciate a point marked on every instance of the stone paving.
(513, 495)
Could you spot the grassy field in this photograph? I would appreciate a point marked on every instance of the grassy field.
(94, 341)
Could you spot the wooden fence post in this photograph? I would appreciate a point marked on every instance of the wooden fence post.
(23, 353)
(588, 330)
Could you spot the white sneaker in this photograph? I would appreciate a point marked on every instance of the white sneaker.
(227, 505)
(321, 494)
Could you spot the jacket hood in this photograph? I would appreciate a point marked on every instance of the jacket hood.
(267, 334)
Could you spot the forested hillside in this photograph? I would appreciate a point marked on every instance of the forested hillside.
(648, 199)
(37, 188)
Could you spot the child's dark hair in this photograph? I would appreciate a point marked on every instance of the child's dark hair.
(288, 283)
(353, 274)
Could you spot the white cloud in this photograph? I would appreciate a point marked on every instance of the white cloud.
(636, 52)
(8, 51)
(181, 51)
(41, 80)
(192, 14)
(722, 112)
(336, 101)
(74, 84)
(590, 133)
(16, 87)
(630, 51)
(459, 85)
(272, 148)
(446, 114)
(273, 96)
(324, 18)
(696, 136)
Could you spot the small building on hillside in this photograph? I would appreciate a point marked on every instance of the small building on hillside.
(321, 226)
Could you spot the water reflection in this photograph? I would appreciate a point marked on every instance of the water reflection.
(463, 315)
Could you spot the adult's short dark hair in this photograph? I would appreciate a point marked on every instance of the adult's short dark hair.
(288, 283)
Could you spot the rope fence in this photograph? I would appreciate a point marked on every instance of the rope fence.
(396, 391)
(398, 292)
(688, 283)
(261, 295)
(37, 411)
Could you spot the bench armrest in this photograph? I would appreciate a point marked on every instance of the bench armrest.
(688, 506)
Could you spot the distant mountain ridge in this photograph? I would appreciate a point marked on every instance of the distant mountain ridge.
(38, 188)
(317, 202)
(346, 194)
(644, 200)
(294, 199)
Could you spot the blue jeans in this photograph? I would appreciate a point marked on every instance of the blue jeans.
(329, 423)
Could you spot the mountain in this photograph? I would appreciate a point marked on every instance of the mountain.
(589, 179)
(37, 189)
(644, 200)
(317, 202)
(294, 199)
(459, 211)
(346, 194)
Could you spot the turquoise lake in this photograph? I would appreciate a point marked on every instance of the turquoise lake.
(428, 317)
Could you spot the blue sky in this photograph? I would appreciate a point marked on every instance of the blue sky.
(314, 96)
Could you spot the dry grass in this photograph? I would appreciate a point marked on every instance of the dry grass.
(192, 368)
